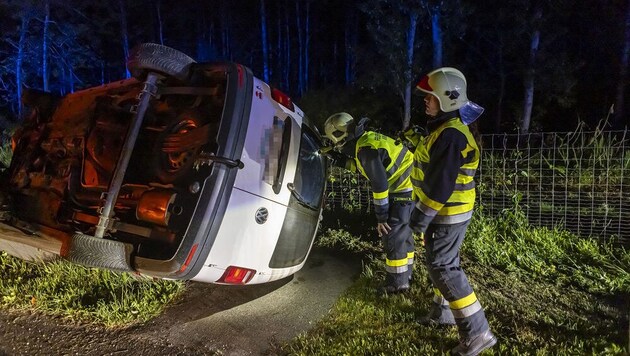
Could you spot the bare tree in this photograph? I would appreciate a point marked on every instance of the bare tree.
(265, 45)
(528, 81)
(124, 34)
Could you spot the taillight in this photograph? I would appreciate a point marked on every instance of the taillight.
(237, 275)
(282, 99)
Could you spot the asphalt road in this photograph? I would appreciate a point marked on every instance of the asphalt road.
(230, 320)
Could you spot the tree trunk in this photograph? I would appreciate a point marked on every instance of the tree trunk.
(158, 10)
(411, 38)
(350, 45)
(279, 57)
(71, 77)
(102, 72)
(265, 46)
(300, 49)
(528, 82)
(436, 35)
(45, 69)
(225, 32)
(307, 40)
(501, 96)
(620, 116)
(18, 63)
(287, 48)
(124, 34)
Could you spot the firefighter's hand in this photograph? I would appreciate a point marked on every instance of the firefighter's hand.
(336, 158)
(383, 229)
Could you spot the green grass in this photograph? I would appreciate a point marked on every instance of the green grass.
(545, 292)
(88, 294)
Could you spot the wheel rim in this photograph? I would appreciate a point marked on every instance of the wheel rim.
(173, 162)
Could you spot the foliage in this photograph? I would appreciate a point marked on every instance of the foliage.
(544, 292)
(79, 293)
(577, 179)
(381, 108)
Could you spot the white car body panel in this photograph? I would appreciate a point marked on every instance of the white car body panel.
(241, 241)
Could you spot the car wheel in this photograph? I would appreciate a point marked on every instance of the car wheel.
(172, 166)
(152, 57)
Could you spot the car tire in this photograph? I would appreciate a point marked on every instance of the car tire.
(152, 57)
(172, 167)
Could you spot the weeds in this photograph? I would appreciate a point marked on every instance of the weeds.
(89, 294)
(545, 291)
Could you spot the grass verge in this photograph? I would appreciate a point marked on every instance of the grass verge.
(86, 294)
(544, 291)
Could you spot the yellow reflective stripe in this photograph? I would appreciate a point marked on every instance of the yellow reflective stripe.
(380, 195)
(437, 292)
(410, 255)
(455, 210)
(462, 196)
(396, 263)
(429, 202)
(464, 302)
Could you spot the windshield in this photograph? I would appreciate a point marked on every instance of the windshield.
(310, 178)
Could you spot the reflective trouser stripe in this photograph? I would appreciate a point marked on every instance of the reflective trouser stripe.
(438, 298)
(452, 219)
(410, 258)
(465, 307)
(380, 202)
(396, 266)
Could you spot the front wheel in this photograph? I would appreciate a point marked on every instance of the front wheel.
(152, 57)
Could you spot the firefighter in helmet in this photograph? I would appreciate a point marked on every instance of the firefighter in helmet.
(445, 161)
(387, 165)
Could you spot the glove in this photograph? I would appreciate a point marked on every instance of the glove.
(336, 158)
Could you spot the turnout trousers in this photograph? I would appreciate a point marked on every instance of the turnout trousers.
(442, 244)
(399, 242)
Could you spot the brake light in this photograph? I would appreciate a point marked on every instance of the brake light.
(282, 99)
(237, 275)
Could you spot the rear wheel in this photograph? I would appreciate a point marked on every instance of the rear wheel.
(152, 57)
(172, 166)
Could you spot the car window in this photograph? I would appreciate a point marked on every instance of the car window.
(310, 177)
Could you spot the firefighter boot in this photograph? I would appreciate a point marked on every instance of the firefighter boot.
(394, 283)
(474, 345)
(438, 315)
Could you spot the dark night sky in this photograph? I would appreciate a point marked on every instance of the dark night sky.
(576, 69)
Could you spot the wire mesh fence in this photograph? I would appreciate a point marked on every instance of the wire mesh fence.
(578, 180)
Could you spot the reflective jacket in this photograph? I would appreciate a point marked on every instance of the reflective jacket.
(444, 166)
(386, 165)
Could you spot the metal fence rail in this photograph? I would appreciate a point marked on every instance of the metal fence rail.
(579, 181)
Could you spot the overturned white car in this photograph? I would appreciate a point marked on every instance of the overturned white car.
(186, 171)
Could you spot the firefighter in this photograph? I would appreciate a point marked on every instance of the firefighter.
(445, 162)
(387, 165)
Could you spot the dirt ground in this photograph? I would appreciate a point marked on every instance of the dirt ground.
(32, 333)
(210, 319)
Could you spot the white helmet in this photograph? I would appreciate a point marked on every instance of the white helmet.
(338, 127)
(448, 85)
